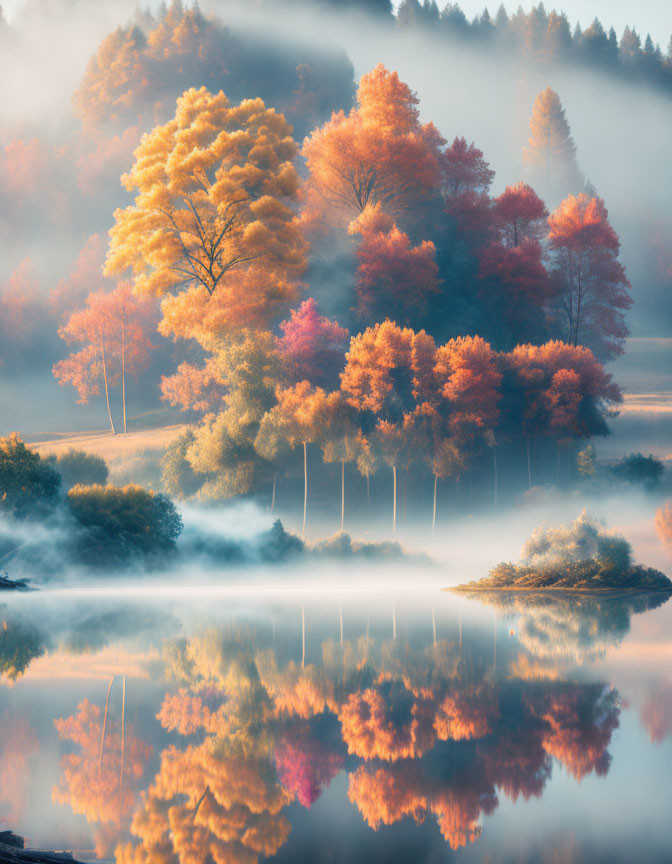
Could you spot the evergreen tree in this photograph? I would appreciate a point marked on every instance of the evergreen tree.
(551, 152)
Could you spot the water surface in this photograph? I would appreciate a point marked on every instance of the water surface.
(337, 725)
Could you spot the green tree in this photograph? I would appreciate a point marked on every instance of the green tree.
(28, 483)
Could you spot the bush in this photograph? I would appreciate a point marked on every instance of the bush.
(580, 556)
(123, 522)
(77, 467)
(28, 484)
(644, 470)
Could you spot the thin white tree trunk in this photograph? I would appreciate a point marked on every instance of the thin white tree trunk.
(102, 737)
(107, 392)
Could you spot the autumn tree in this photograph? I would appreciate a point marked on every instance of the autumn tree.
(313, 346)
(551, 153)
(212, 217)
(393, 276)
(246, 372)
(297, 419)
(342, 438)
(557, 390)
(139, 69)
(388, 373)
(113, 329)
(590, 285)
(378, 154)
(469, 381)
(516, 282)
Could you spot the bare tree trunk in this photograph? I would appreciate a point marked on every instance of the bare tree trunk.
(529, 464)
(275, 477)
(394, 500)
(436, 477)
(305, 487)
(102, 737)
(342, 492)
(107, 392)
(123, 361)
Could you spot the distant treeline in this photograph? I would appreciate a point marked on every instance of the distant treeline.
(537, 35)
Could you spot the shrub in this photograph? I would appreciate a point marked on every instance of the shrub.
(77, 467)
(122, 522)
(28, 484)
(635, 468)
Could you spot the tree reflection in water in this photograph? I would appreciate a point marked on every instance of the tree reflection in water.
(434, 733)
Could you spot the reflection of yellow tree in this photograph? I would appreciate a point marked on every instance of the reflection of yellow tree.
(92, 785)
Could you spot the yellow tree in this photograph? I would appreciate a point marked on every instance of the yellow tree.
(551, 152)
(298, 418)
(212, 217)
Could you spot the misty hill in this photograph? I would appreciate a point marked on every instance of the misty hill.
(581, 556)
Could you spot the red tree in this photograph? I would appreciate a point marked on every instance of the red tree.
(591, 288)
(393, 277)
(113, 330)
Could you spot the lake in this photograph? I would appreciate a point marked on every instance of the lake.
(235, 725)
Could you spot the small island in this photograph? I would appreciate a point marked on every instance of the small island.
(581, 556)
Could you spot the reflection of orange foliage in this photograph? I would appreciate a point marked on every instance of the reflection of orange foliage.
(664, 524)
(464, 715)
(657, 714)
(295, 691)
(389, 794)
(231, 812)
(305, 766)
(89, 787)
(581, 724)
(386, 723)
(18, 746)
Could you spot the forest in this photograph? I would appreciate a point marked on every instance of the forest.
(307, 272)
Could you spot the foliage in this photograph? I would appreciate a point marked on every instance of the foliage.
(123, 522)
(177, 475)
(586, 461)
(29, 485)
(639, 469)
(77, 467)
(214, 188)
(581, 556)
(664, 524)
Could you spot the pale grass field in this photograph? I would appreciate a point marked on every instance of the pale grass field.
(133, 457)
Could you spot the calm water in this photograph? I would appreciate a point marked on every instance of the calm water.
(337, 726)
